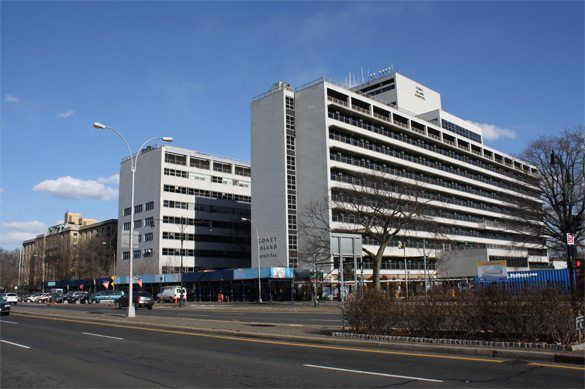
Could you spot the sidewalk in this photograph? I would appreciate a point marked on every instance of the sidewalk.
(296, 333)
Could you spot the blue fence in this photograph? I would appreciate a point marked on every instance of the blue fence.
(530, 278)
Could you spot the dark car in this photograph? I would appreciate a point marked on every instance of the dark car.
(141, 299)
(76, 298)
(4, 307)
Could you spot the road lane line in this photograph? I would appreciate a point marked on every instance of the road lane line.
(102, 336)
(9, 322)
(556, 366)
(372, 373)
(194, 315)
(14, 344)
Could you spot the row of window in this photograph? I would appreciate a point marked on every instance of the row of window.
(199, 177)
(291, 181)
(426, 144)
(382, 166)
(374, 145)
(138, 223)
(138, 208)
(349, 178)
(203, 163)
(145, 253)
(205, 253)
(207, 238)
(343, 217)
(211, 224)
(205, 193)
(341, 195)
(447, 125)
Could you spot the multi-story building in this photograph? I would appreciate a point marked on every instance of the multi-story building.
(77, 248)
(312, 142)
(187, 199)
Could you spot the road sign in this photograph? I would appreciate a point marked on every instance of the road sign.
(570, 239)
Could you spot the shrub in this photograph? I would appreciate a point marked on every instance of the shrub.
(499, 314)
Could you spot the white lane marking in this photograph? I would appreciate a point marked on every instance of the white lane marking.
(6, 321)
(372, 373)
(14, 344)
(195, 315)
(102, 336)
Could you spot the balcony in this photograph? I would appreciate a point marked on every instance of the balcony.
(337, 101)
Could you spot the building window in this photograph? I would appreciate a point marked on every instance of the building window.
(222, 167)
(138, 208)
(176, 173)
(126, 211)
(243, 171)
(138, 223)
(127, 226)
(137, 254)
(176, 159)
(147, 253)
(126, 255)
(150, 206)
(199, 163)
(149, 222)
(148, 237)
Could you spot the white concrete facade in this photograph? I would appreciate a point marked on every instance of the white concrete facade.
(342, 133)
(180, 190)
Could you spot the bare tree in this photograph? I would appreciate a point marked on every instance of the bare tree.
(374, 207)
(314, 253)
(560, 161)
(9, 269)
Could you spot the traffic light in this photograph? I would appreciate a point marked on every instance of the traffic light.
(579, 274)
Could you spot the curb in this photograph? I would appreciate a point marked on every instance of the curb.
(462, 342)
(455, 349)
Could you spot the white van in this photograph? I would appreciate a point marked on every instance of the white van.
(170, 293)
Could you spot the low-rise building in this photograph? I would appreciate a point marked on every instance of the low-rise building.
(77, 248)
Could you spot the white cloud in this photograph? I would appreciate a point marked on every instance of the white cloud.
(114, 179)
(492, 132)
(15, 232)
(66, 114)
(75, 188)
(11, 99)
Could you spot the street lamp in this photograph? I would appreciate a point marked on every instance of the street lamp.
(133, 163)
(244, 219)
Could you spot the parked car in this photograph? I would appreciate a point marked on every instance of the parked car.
(141, 299)
(32, 298)
(170, 293)
(4, 306)
(76, 298)
(105, 295)
(43, 298)
(12, 298)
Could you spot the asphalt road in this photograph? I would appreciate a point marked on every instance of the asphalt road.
(318, 317)
(37, 352)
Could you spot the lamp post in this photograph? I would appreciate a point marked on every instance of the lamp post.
(133, 163)
(258, 255)
(567, 223)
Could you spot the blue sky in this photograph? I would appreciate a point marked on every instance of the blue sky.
(189, 70)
